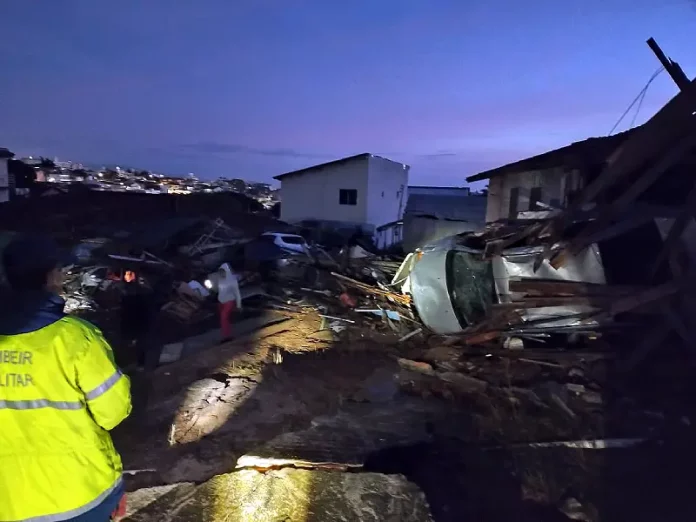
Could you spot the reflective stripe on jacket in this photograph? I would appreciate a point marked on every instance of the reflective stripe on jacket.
(60, 393)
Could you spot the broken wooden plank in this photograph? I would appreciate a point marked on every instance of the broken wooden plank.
(399, 298)
(622, 203)
(668, 125)
(655, 337)
(410, 334)
(416, 366)
(558, 401)
(673, 121)
(545, 302)
(559, 258)
(496, 247)
(628, 303)
(673, 319)
(482, 337)
(676, 231)
(554, 287)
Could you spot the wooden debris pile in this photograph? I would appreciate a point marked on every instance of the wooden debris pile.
(648, 180)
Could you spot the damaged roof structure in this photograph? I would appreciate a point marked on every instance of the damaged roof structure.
(635, 188)
(551, 179)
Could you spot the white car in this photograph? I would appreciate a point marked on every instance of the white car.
(453, 286)
(291, 242)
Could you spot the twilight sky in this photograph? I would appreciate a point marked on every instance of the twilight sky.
(254, 88)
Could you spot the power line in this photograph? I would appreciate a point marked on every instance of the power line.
(639, 99)
(640, 104)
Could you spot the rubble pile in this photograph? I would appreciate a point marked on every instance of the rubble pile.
(526, 335)
(616, 262)
(533, 298)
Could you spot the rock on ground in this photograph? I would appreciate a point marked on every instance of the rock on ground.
(292, 495)
(139, 500)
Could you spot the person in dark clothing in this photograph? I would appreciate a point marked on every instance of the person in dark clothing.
(150, 345)
(136, 315)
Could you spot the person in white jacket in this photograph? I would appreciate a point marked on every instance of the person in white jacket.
(229, 297)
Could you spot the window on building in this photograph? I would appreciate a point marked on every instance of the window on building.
(293, 240)
(347, 197)
(534, 198)
(514, 202)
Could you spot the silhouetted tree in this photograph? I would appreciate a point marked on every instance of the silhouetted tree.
(24, 175)
(47, 163)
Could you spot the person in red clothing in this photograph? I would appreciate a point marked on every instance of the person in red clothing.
(229, 297)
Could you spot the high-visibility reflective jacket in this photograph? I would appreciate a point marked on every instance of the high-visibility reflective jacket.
(60, 393)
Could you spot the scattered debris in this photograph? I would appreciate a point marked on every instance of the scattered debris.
(520, 326)
(410, 334)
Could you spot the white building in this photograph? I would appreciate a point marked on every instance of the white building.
(5, 156)
(361, 190)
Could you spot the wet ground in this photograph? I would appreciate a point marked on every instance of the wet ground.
(276, 400)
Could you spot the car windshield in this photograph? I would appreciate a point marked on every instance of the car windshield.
(471, 286)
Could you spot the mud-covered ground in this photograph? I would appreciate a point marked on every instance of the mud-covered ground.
(291, 396)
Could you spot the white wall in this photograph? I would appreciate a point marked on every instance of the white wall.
(555, 184)
(387, 191)
(389, 236)
(4, 181)
(315, 194)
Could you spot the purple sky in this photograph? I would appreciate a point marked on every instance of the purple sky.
(254, 88)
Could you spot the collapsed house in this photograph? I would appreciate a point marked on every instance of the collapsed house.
(632, 193)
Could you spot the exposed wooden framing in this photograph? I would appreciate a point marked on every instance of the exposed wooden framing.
(672, 67)
(544, 302)
(678, 261)
(676, 230)
(658, 334)
(559, 258)
(628, 303)
(669, 124)
(680, 270)
(676, 323)
(644, 182)
(551, 287)
(500, 245)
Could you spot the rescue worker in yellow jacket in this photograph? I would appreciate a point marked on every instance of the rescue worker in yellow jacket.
(60, 394)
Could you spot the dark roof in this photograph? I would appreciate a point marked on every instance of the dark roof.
(429, 187)
(364, 155)
(592, 151)
(4, 153)
(458, 208)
